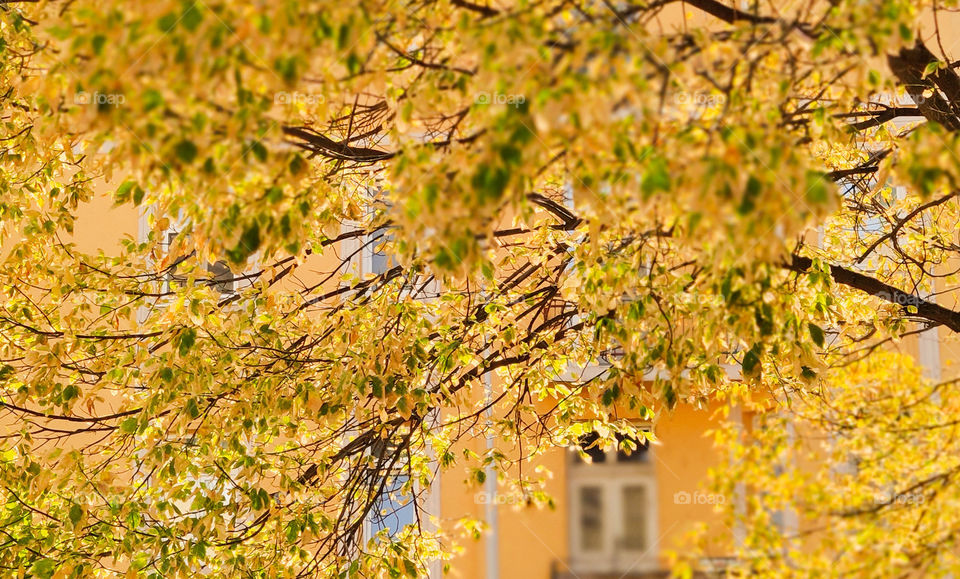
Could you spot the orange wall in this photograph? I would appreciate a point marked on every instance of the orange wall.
(531, 539)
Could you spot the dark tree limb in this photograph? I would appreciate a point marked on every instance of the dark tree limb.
(327, 147)
(925, 309)
(485, 11)
(727, 13)
(943, 103)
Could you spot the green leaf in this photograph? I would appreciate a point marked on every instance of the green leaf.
(274, 194)
(905, 32)
(60, 32)
(293, 531)
(76, 513)
(167, 22)
(129, 425)
(70, 392)
(376, 386)
(259, 151)
(610, 395)
(816, 333)
(123, 191)
(748, 202)
(297, 164)
(192, 17)
(248, 244)
(656, 177)
(44, 568)
(187, 339)
(818, 190)
(751, 360)
(669, 395)
(193, 409)
(98, 43)
(490, 182)
(152, 99)
(186, 151)
(286, 67)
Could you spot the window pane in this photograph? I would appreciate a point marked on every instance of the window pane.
(639, 452)
(635, 518)
(588, 443)
(379, 260)
(591, 518)
(777, 519)
(393, 509)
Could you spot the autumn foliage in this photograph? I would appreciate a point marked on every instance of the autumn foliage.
(705, 201)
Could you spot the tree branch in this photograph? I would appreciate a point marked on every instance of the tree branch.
(910, 67)
(925, 309)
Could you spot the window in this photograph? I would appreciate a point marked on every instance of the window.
(222, 276)
(613, 507)
(395, 506)
(394, 509)
(784, 519)
(366, 254)
(376, 259)
(591, 518)
(219, 275)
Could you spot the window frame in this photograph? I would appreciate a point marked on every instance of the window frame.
(612, 477)
(398, 476)
(169, 234)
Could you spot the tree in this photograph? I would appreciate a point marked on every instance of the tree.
(161, 426)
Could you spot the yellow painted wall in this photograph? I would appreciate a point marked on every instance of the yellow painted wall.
(100, 225)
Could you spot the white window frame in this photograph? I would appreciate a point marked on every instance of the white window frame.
(359, 250)
(612, 478)
(390, 518)
(426, 499)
